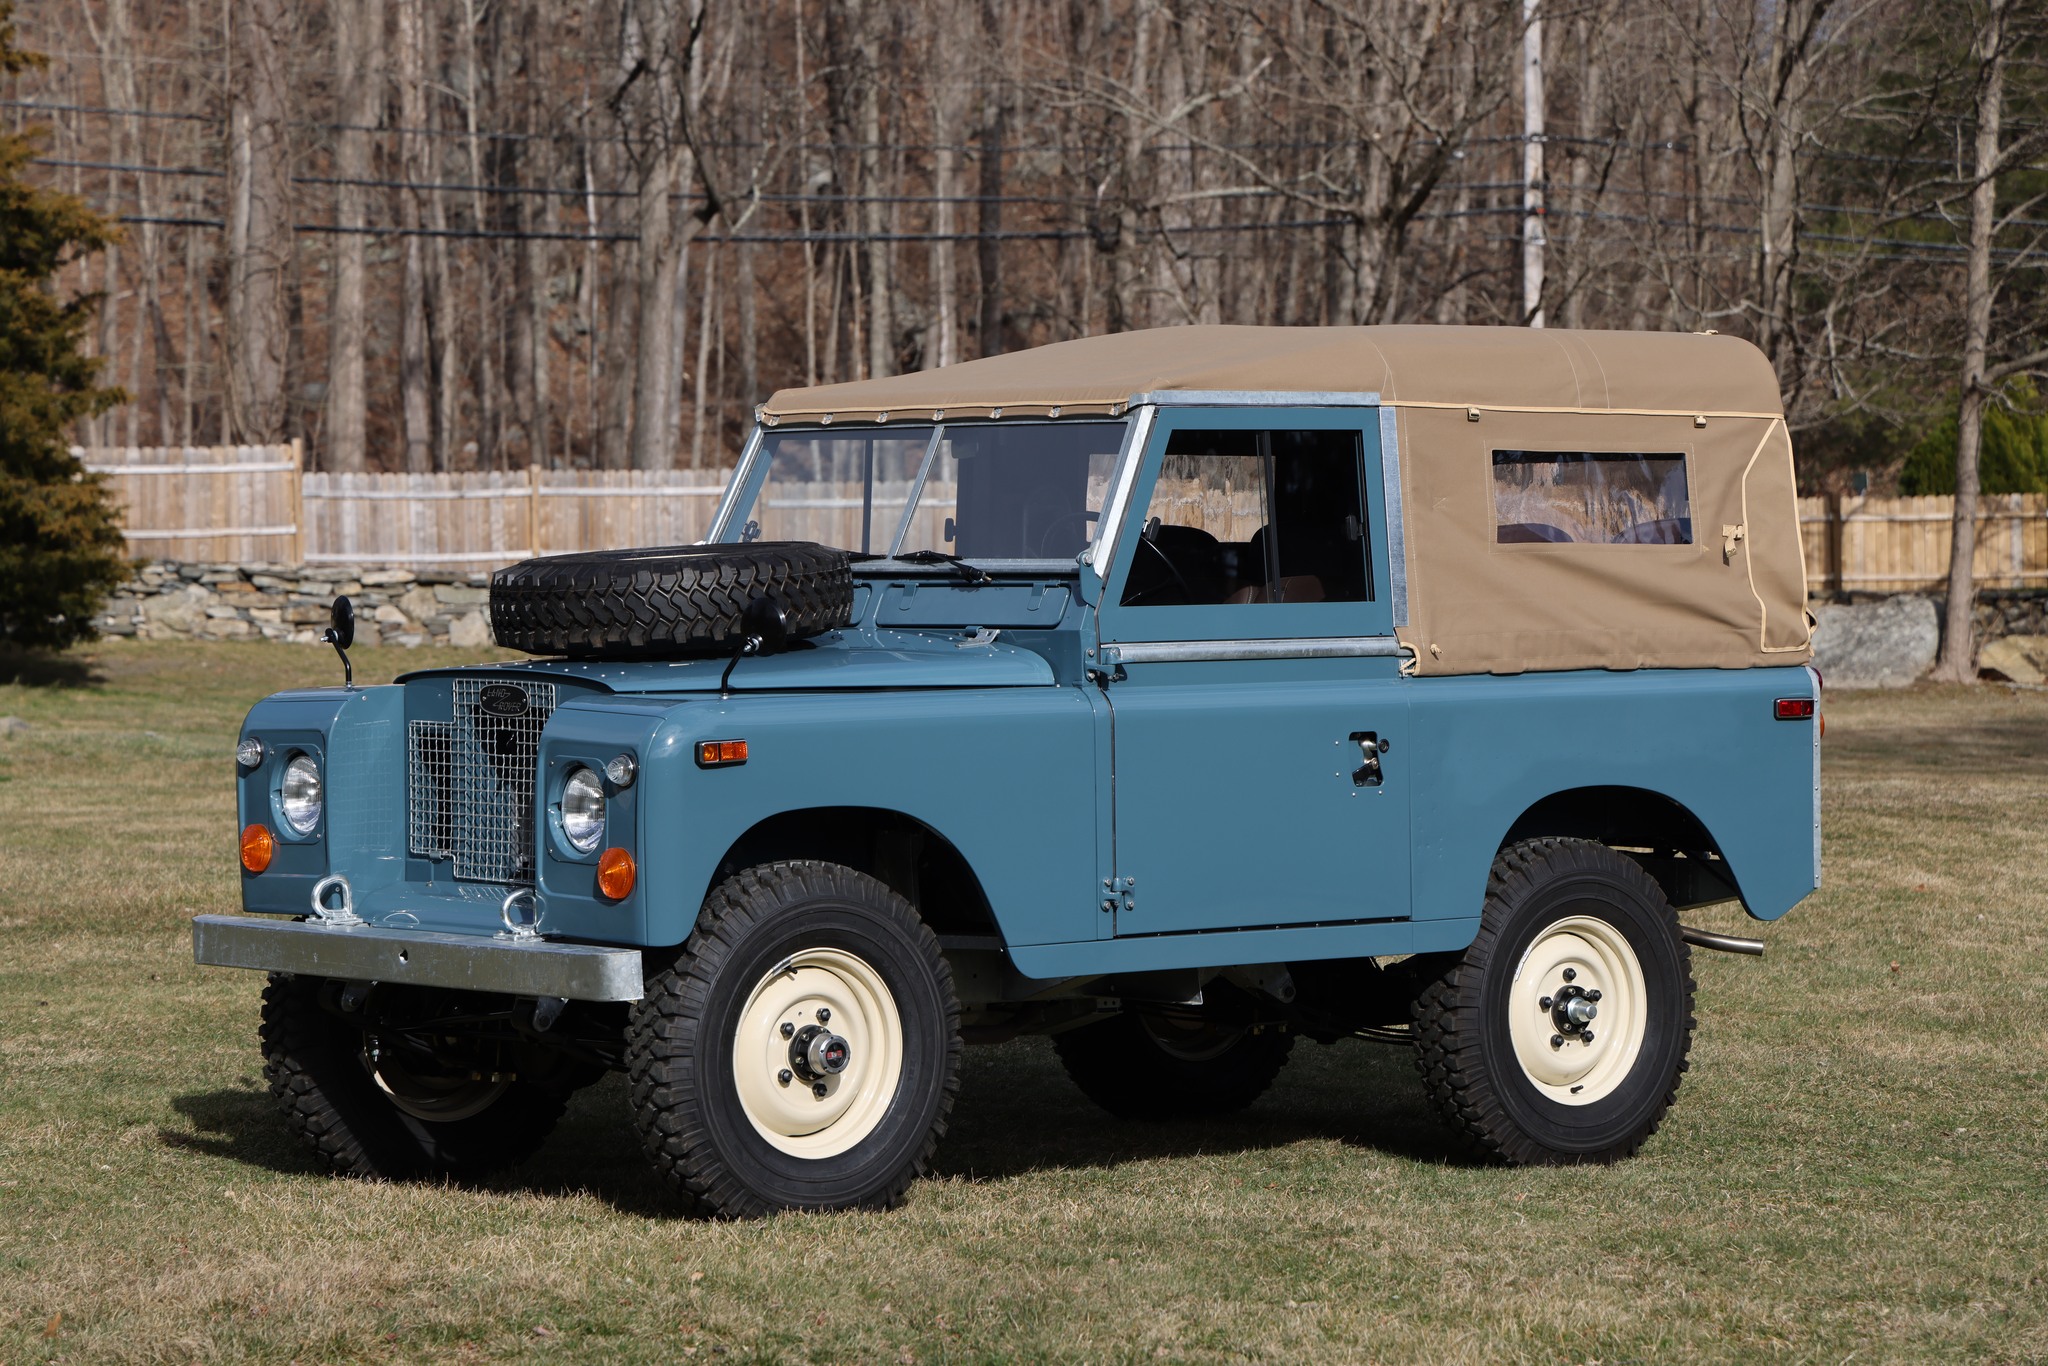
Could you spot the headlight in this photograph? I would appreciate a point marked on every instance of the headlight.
(583, 809)
(299, 797)
(249, 753)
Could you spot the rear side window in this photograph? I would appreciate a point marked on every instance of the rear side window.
(1590, 498)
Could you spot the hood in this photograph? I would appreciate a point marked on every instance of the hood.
(837, 660)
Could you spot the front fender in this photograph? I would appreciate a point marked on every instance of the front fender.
(1007, 775)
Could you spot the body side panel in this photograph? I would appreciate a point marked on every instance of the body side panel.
(1489, 748)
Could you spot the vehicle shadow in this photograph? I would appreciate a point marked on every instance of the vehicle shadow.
(1016, 1114)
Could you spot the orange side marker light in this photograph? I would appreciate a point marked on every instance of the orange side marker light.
(258, 844)
(615, 874)
(721, 753)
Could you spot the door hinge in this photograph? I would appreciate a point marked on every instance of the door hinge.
(1119, 894)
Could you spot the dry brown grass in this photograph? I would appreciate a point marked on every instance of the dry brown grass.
(1856, 1168)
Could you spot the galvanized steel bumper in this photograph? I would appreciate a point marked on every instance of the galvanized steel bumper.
(366, 953)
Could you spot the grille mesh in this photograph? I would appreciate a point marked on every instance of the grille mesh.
(470, 783)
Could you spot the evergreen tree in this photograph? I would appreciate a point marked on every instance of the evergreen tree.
(60, 540)
(2014, 455)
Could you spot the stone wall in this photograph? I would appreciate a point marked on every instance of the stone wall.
(170, 601)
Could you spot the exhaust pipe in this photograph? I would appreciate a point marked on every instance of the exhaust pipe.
(1723, 943)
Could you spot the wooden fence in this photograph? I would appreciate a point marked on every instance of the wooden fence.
(1901, 544)
(252, 504)
(219, 504)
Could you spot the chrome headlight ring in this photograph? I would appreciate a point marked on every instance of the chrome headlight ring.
(583, 809)
(300, 794)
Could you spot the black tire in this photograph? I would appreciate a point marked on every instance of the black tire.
(1161, 1067)
(1466, 1038)
(323, 1081)
(683, 1045)
(674, 600)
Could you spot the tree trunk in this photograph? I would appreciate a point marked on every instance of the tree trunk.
(358, 43)
(660, 257)
(995, 128)
(1958, 647)
(259, 220)
(414, 367)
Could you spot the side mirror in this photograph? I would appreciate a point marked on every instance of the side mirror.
(342, 632)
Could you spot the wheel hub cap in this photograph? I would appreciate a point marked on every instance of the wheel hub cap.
(1578, 970)
(818, 1053)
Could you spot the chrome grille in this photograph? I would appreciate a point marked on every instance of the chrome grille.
(470, 782)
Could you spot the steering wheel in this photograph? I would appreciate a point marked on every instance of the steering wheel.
(1145, 540)
(1057, 530)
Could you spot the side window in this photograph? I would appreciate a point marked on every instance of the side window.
(1244, 517)
(1590, 498)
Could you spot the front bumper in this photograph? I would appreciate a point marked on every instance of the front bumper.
(464, 962)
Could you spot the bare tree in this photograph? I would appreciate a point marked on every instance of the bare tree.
(358, 36)
(1995, 40)
(414, 363)
(259, 219)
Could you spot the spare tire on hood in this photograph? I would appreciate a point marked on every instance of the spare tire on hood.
(665, 602)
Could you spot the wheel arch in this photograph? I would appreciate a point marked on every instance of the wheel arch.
(1662, 834)
(898, 850)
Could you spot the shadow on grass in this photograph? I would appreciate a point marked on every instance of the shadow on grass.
(1016, 1114)
(47, 669)
(239, 1125)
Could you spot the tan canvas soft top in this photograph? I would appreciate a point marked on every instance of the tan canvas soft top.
(1732, 598)
(1483, 366)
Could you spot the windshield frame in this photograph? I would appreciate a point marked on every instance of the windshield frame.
(751, 474)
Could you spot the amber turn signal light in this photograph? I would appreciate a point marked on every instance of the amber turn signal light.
(721, 753)
(258, 844)
(615, 874)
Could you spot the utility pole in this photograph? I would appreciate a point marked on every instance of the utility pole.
(1532, 163)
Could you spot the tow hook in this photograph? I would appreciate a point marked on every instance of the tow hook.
(1721, 943)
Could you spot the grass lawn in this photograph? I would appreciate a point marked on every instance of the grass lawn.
(1857, 1166)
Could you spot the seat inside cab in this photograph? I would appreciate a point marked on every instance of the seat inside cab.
(1239, 517)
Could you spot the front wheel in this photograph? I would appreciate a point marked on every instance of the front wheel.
(1562, 1032)
(803, 1050)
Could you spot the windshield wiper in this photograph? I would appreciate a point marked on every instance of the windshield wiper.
(973, 573)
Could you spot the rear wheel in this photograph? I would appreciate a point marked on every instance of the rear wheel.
(398, 1104)
(1563, 1031)
(803, 1050)
(1157, 1065)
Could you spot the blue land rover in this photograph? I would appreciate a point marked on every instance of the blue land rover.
(1176, 694)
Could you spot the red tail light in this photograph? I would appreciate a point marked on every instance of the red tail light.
(1795, 708)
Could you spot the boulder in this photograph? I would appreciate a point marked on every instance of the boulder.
(175, 613)
(1888, 644)
(2015, 659)
(419, 603)
(471, 631)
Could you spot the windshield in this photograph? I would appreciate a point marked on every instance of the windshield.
(984, 490)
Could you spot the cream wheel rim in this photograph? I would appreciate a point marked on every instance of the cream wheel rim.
(815, 1113)
(1585, 963)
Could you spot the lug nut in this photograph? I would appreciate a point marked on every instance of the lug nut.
(788, 1030)
(1587, 1036)
(1557, 1041)
(818, 1089)
(824, 1015)
(1593, 995)
(1545, 1003)
(1571, 974)
(785, 1076)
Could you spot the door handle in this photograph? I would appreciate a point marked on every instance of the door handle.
(1370, 748)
